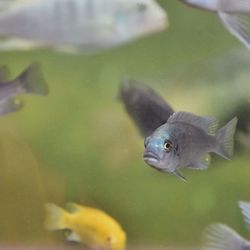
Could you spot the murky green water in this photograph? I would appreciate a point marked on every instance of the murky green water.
(78, 144)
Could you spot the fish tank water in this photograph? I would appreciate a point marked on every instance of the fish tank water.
(78, 144)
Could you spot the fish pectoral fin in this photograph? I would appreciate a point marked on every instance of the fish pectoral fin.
(10, 105)
(200, 164)
(179, 175)
(72, 236)
(238, 25)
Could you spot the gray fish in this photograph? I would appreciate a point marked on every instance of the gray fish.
(186, 141)
(222, 237)
(78, 25)
(234, 14)
(31, 81)
(146, 108)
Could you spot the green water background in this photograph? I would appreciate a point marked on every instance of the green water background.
(79, 145)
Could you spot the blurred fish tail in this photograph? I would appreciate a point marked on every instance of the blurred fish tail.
(32, 80)
(55, 217)
(225, 139)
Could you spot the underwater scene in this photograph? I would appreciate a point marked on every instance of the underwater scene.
(124, 124)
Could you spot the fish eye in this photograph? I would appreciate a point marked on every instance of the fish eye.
(109, 239)
(167, 146)
(141, 7)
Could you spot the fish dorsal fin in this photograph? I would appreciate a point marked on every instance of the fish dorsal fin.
(72, 207)
(208, 124)
(220, 236)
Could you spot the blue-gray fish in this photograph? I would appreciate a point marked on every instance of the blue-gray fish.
(186, 140)
(146, 108)
(234, 14)
(221, 237)
(78, 25)
(31, 81)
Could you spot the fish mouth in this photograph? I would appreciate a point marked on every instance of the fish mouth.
(159, 25)
(151, 159)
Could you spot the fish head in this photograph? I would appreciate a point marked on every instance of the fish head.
(115, 240)
(161, 150)
(137, 18)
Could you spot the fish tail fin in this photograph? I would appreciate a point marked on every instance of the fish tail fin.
(220, 236)
(32, 80)
(225, 139)
(55, 217)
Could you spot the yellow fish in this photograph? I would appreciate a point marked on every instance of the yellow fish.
(90, 226)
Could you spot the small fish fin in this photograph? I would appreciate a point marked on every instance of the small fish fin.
(245, 209)
(221, 237)
(72, 236)
(4, 73)
(73, 207)
(32, 80)
(55, 217)
(238, 25)
(225, 139)
(10, 105)
(208, 124)
(202, 163)
(179, 175)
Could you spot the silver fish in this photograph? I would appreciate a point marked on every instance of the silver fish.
(78, 25)
(31, 81)
(234, 14)
(146, 108)
(186, 141)
(222, 237)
